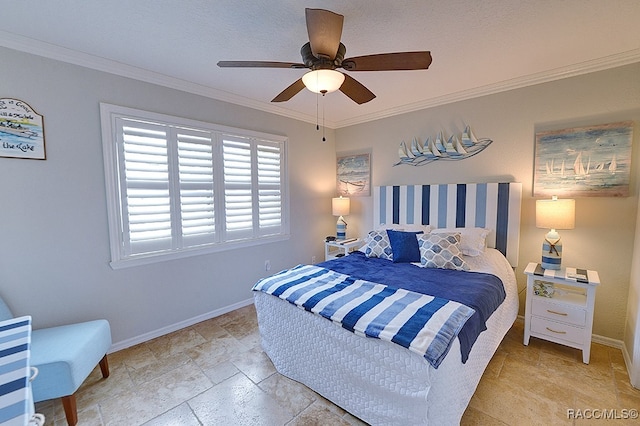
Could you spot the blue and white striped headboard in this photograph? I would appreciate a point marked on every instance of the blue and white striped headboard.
(495, 206)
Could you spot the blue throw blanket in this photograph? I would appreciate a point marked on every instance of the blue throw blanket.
(481, 292)
(421, 323)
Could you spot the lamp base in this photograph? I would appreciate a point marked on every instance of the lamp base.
(341, 229)
(551, 255)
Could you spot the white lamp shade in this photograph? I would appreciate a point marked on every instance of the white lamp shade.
(340, 206)
(556, 214)
(323, 81)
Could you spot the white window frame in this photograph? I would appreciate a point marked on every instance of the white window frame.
(121, 256)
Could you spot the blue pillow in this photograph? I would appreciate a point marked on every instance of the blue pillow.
(404, 246)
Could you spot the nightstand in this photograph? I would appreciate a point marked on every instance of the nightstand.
(335, 249)
(567, 316)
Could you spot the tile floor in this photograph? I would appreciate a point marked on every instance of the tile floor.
(215, 373)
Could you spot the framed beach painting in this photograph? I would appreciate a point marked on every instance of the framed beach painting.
(591, 161)
(354, 174)
(21, 130)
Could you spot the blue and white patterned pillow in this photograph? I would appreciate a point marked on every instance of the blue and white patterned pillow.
(377, 244)
(441, 251)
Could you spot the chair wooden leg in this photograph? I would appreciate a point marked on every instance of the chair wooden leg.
(69, 402)
(70, 409)
(104, 367)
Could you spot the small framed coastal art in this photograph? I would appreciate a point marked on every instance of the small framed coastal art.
(590, 161)
(21, 130)
(353, 174)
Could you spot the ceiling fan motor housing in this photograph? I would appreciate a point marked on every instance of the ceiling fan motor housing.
(314, 63)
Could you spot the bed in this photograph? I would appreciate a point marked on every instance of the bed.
(379, 381)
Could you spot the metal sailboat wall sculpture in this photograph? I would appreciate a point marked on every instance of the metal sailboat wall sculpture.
(454, 148)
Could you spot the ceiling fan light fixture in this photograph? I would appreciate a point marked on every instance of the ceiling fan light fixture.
(323, 81)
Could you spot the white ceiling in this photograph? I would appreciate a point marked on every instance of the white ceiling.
(478, 46)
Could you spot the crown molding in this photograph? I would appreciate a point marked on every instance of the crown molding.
(51, 51)
(600, 64)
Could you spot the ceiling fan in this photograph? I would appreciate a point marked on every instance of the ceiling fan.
(324, 53)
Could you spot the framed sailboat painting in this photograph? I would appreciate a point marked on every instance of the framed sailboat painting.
(353, 174)
(590, 161)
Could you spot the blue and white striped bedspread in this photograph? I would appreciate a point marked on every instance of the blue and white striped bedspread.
(423, 324)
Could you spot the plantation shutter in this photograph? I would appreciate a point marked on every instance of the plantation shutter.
(196, 182)
(238, 184)
(178, 187)
(144, 181)
(269, 188)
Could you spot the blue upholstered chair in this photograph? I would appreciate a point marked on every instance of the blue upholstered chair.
(65, 356)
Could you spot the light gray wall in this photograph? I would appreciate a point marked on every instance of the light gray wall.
(604, 235)
(54, 246)
(632, 326)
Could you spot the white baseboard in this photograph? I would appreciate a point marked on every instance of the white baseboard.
(117, 346)
(123, 344)
(629, 364)
(607, 341)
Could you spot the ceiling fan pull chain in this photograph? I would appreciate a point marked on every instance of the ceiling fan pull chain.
(323, 127)
(324, 92)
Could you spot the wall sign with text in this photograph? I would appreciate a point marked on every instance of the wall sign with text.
(21, 130)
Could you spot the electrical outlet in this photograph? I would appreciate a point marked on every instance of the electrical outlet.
(267, 265)
(313, 260)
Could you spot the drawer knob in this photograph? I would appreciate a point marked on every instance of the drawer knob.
(564, 314)
(555, 331)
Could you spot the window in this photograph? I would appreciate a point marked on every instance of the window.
(178, 187)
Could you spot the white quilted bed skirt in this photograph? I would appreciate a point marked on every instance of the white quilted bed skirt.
(380, 382)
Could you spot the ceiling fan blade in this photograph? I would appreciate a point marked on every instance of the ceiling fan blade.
(325, 30)
(356, 91)
(389, 61)
(259, 64)
(289, 92)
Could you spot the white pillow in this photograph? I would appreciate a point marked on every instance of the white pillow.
(473, 241)
(409, 227)
(441, 250)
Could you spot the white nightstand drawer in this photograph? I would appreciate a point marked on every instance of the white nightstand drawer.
(557, 330)
(558, 312)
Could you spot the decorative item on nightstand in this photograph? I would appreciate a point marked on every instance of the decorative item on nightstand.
(554, 214)
(340, 208)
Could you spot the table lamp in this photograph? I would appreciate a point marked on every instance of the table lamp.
(340, 207)
(554, 214)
